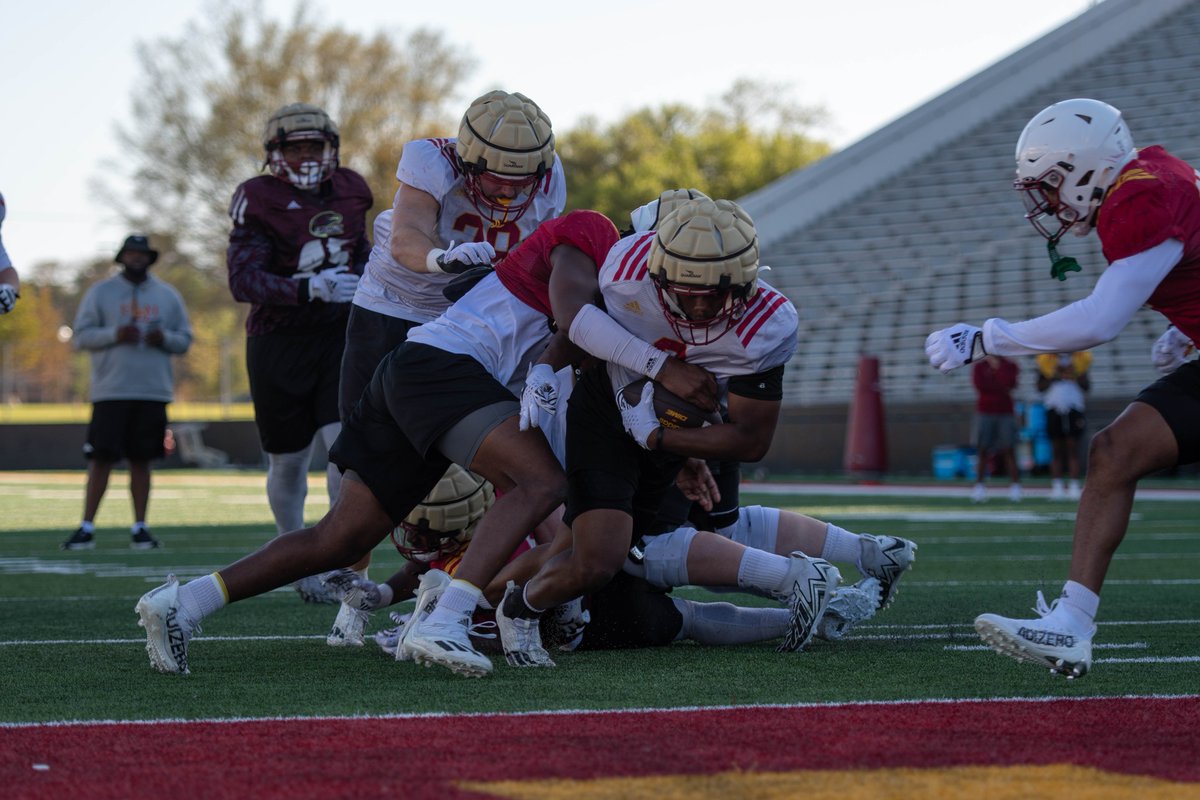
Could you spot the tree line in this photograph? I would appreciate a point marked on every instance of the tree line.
(197, 113)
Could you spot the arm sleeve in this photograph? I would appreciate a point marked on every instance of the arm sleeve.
(601, 336)
(766, 385)
(1123, 288)
(249, 251)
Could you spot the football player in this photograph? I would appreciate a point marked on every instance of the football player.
(296, 250)
(462, 202)
(1078, 171)
(691, 288)
(446, 394)
(10, 284)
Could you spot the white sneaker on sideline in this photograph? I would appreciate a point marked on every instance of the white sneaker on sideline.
(167, 636)
(1074, 490)
(1014, 492)
(979, 493)
(1058, 491)
(1046, 641)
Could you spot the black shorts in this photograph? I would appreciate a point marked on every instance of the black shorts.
(629, 612)
(372, 444)
(605, 467)
(428, 391)
(131, 429)
(294, 383)
(1070, 425)
(369, 337)
(1177, 398)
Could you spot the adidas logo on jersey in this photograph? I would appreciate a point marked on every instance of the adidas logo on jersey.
(293, 206)
(633, 307)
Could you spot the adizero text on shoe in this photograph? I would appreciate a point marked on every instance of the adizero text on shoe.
(445, 644)
(812, 589)
(347, 628)
(80, 540)
(851, 605)
(142, 540)
(886, 558)
(1037, 641)
(166, 637)
(520, 636)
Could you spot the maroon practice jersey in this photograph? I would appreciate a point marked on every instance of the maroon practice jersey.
(526, 270)
(1157, 197)
(282, 234)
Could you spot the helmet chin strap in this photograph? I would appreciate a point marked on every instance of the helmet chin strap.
(1060, 265)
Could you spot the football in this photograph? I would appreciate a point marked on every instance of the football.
(673, 411)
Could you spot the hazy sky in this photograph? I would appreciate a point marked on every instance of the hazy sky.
(69, 68)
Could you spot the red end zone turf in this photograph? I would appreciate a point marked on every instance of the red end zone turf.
(429, 756)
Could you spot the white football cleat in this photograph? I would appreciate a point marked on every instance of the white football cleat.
(520, 636)
(445, 644)
(429, 590)
(313, 590)
(166, 636)
(851, 605)
(886, 558)
(388, 639)
(813, 582)
(347, 630)
(1045, 641)
(565, 625)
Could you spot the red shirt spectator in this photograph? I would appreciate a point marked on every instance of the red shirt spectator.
(995, 378)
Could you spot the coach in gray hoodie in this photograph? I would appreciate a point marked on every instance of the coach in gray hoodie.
(131, 324)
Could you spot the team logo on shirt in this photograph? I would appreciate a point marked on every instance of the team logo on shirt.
(633, 307)
(326, 224)
(1132, 175)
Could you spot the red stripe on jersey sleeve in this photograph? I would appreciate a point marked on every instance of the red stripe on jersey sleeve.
(747, 334)
(633, 257)
(446, 148)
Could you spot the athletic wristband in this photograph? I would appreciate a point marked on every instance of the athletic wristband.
(603, 337)
(431, 260)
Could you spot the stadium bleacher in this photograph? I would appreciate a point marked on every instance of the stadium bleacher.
(930, 231)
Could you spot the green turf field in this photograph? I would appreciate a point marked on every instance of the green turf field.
(70, 647)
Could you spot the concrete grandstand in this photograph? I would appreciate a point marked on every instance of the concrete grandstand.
(916, 226)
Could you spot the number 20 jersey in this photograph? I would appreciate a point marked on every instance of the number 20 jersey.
(432, 166)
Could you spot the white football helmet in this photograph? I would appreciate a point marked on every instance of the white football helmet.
(1067, 158)
(646, 218)
(509, 139)
(444, 522)
(705, 248)
(299, 122)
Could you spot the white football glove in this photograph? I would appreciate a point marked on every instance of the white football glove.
(462, 257)
(333, 285)
(541, 392)
(640, 421)
(952, 347)
(1171, 350)
(8, 297)
(354, 590)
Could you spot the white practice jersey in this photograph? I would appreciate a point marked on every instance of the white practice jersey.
(491, 325)
(431, 166)
(765, 337)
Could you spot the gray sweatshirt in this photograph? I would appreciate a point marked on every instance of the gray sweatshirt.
(132, 371)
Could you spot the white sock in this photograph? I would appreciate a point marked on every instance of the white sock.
(140, 525)
(87, 526)
(1056, 485)
(763, 571)
(460, 597)
(1079, 603)
(201, 597)
(287, 486)
(724, 623)
(386, 595)
(841, 544)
